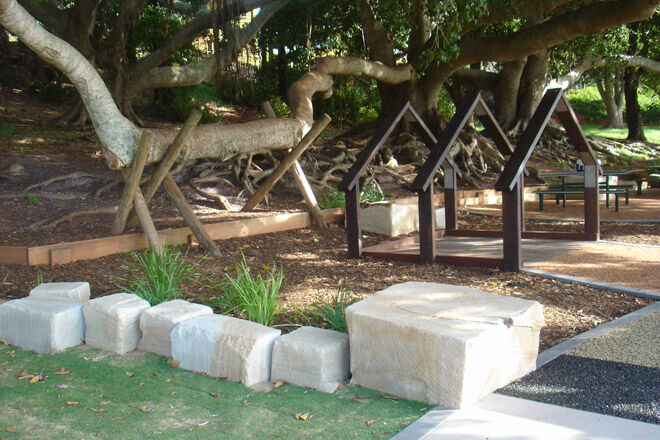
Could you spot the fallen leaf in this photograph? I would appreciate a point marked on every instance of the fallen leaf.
(25, 375)
(172, 363)
(100, 410)
(143, 409)
(372, 421)
(69, 378)
(129, 374)
(11, 430)
(11, 354)
(72, 403)
(3, 363)
(105, 403)
(34, 379)
(279, 383)
(3, 342)
(156, 373)
(303, 416)
(62, 372)
(61, 386)
(391, 397)
(341, 385)
(216, 395)
(82, 387)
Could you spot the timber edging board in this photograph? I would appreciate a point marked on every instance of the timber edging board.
(63, 253)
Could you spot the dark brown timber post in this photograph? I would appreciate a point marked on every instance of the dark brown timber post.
(426, 226)
(451, 199)
(512, 229)
(522, 202)
(353, 226)
(591, 208)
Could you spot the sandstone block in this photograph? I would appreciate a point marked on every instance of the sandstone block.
(311, 357)
(394, 219)
(222, 346)
(42, 326)
(156, 324)
(112, 322)
(68, 292)
(441, 344)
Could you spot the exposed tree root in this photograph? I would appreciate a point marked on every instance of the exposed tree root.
(76, 175)
(51, 223)
(219, 199)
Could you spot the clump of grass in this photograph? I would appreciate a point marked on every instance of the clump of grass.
(255, 298)
(372, 193)
(334, 312)
(332, 198)
(160, 276)
(39, 280)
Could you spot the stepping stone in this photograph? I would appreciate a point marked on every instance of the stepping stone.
(42, 326)
(311, 357)
(113, 322)
(226, 347)
(69, 292)
(157, 323)
(441, 344)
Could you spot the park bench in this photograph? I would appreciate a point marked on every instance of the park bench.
(562, 192)
(603, 189)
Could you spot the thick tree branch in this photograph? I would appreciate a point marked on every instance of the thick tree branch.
(589, 19)
(194, 73)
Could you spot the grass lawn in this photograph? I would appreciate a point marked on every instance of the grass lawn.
(652, 132)
(90, 394)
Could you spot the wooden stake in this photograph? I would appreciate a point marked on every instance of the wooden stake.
(132, 182)
(196, 226)
(147, 223)
(172, 155)
(287, 162)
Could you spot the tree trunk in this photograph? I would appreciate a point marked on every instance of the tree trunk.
(610, 92)
(633, 111)
(532, 83)
(506, 94)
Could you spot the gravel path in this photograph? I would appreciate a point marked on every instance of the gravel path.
(617, 374)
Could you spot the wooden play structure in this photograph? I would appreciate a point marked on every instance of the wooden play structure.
(510, 183)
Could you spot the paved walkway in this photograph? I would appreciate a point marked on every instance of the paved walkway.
(602, 385)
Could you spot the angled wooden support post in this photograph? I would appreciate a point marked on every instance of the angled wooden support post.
(172, 155)
(286, 163)
(426, 226)
(147, 223)
(179, 201)
(132, 182)
(301, 180)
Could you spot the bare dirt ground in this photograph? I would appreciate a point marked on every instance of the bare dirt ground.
(314, 261)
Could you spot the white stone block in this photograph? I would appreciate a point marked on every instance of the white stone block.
(394, 219)
(112, 322)
(222, 346)
(156, 324)
(311, 357)
(68, 292)
(42, 326)
(441, 344)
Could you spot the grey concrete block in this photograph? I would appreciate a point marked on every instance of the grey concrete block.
(42, 326)
(311, 357)
(157, 323)
(441, 344)
(69, 292)
(112, 322)
(226, 347)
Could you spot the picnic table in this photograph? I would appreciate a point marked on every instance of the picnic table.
(573, 188)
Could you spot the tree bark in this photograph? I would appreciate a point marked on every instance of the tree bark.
(630, 86)
(506, 95)
(609, 88)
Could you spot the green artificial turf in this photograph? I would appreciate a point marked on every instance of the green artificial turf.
(138, 396)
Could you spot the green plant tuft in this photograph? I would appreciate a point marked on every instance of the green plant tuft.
(253, 298)
(334, 312)
(160, 276)
(332, 198)
(39, 280)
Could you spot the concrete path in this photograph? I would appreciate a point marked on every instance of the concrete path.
(589, 387)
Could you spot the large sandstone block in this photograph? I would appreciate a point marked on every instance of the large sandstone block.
(113, 322)
(441, 344)
(222, 346)
(311, 357)
(157, 323)
(69, 292)
(394, 219)
(42, 326)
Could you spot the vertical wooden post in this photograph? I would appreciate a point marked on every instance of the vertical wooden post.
(511, 246)
(426, 226)
(591, 202)
(522, 202)
(451, 199)
(353, 226)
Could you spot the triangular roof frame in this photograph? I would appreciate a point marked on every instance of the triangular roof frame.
(378, 139)
(553, 101)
